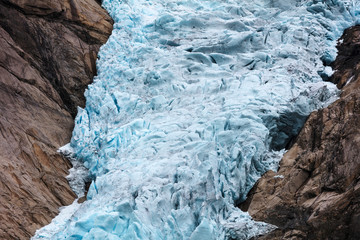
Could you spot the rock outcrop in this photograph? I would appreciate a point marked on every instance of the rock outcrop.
(316, 192)
(47, 58)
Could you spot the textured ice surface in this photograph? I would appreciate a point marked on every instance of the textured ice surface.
(58, 223)
(193, 101)
(78, 174)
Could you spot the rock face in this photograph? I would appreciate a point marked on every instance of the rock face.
(47, 58)
(316, 192)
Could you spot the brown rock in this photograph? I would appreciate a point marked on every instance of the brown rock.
(47, 58)
(319, 196)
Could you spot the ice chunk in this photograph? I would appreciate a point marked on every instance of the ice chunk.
(78, 174)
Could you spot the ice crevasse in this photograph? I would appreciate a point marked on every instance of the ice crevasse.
(193, 102)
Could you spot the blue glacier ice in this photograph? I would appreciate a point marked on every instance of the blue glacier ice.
(193, 102)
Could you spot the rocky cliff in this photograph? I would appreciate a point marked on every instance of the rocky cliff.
(316, 192)
(47, 58)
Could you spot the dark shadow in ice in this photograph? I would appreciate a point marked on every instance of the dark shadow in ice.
(286, 127)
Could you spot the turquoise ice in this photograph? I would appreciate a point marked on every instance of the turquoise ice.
(193, 102)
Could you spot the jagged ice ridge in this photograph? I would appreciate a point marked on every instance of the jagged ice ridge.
(193, 102)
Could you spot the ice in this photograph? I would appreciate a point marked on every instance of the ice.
(58, 223)
(78, 174)
(279, 176)
(193, 102)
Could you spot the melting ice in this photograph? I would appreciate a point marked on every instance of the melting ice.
(193, 101)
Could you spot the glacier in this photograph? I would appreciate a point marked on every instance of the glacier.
(193, 102)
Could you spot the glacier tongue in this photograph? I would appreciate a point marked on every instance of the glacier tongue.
(193, 101)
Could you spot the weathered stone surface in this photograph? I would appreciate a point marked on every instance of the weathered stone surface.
(47, 58)
(319, 194)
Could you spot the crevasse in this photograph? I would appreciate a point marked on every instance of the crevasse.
(193, 101)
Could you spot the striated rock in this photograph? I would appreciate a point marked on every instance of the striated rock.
(47, 58)
(316, 192)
